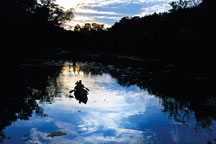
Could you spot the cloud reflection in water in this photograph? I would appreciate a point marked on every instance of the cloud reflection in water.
(100, 120)
(113, 114)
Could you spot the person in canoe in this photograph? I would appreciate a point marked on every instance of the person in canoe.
(80, 92)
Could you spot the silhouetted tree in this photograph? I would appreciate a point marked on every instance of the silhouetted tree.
(49, 11)
(86, 27)
(77, 27)
(97, 27)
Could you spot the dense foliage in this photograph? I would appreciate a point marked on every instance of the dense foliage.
(32, 26)
(184, 32)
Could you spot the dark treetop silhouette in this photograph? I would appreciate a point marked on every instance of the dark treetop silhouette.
(182, 35)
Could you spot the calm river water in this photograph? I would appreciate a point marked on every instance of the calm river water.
(116, 111)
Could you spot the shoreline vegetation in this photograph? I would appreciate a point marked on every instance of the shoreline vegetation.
(184, 35)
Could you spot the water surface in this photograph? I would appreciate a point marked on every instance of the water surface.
(114, 112)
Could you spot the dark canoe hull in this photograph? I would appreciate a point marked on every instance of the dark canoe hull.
(81, 95)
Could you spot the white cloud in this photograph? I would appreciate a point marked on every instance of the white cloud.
(83, 18)
(154, 8)
(101, 11)
(91, 11)
(107, 17)
(73, 3)
(101, 3)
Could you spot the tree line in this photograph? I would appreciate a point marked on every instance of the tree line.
(184, 34)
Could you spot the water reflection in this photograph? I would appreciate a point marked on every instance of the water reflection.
(109, 105)
(113, 114)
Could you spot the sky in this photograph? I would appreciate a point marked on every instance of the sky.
(108, 12)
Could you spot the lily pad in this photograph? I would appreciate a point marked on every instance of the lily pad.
(58, 133)
(180, 120)
(27, 135)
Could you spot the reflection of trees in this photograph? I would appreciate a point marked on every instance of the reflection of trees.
(21, 103)
(181, 93)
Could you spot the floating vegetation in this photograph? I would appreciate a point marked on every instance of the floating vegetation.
(180, 121)
(58, 133)
(27, 135)
(27, 139)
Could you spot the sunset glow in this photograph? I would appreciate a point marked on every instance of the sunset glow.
(108, 12)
